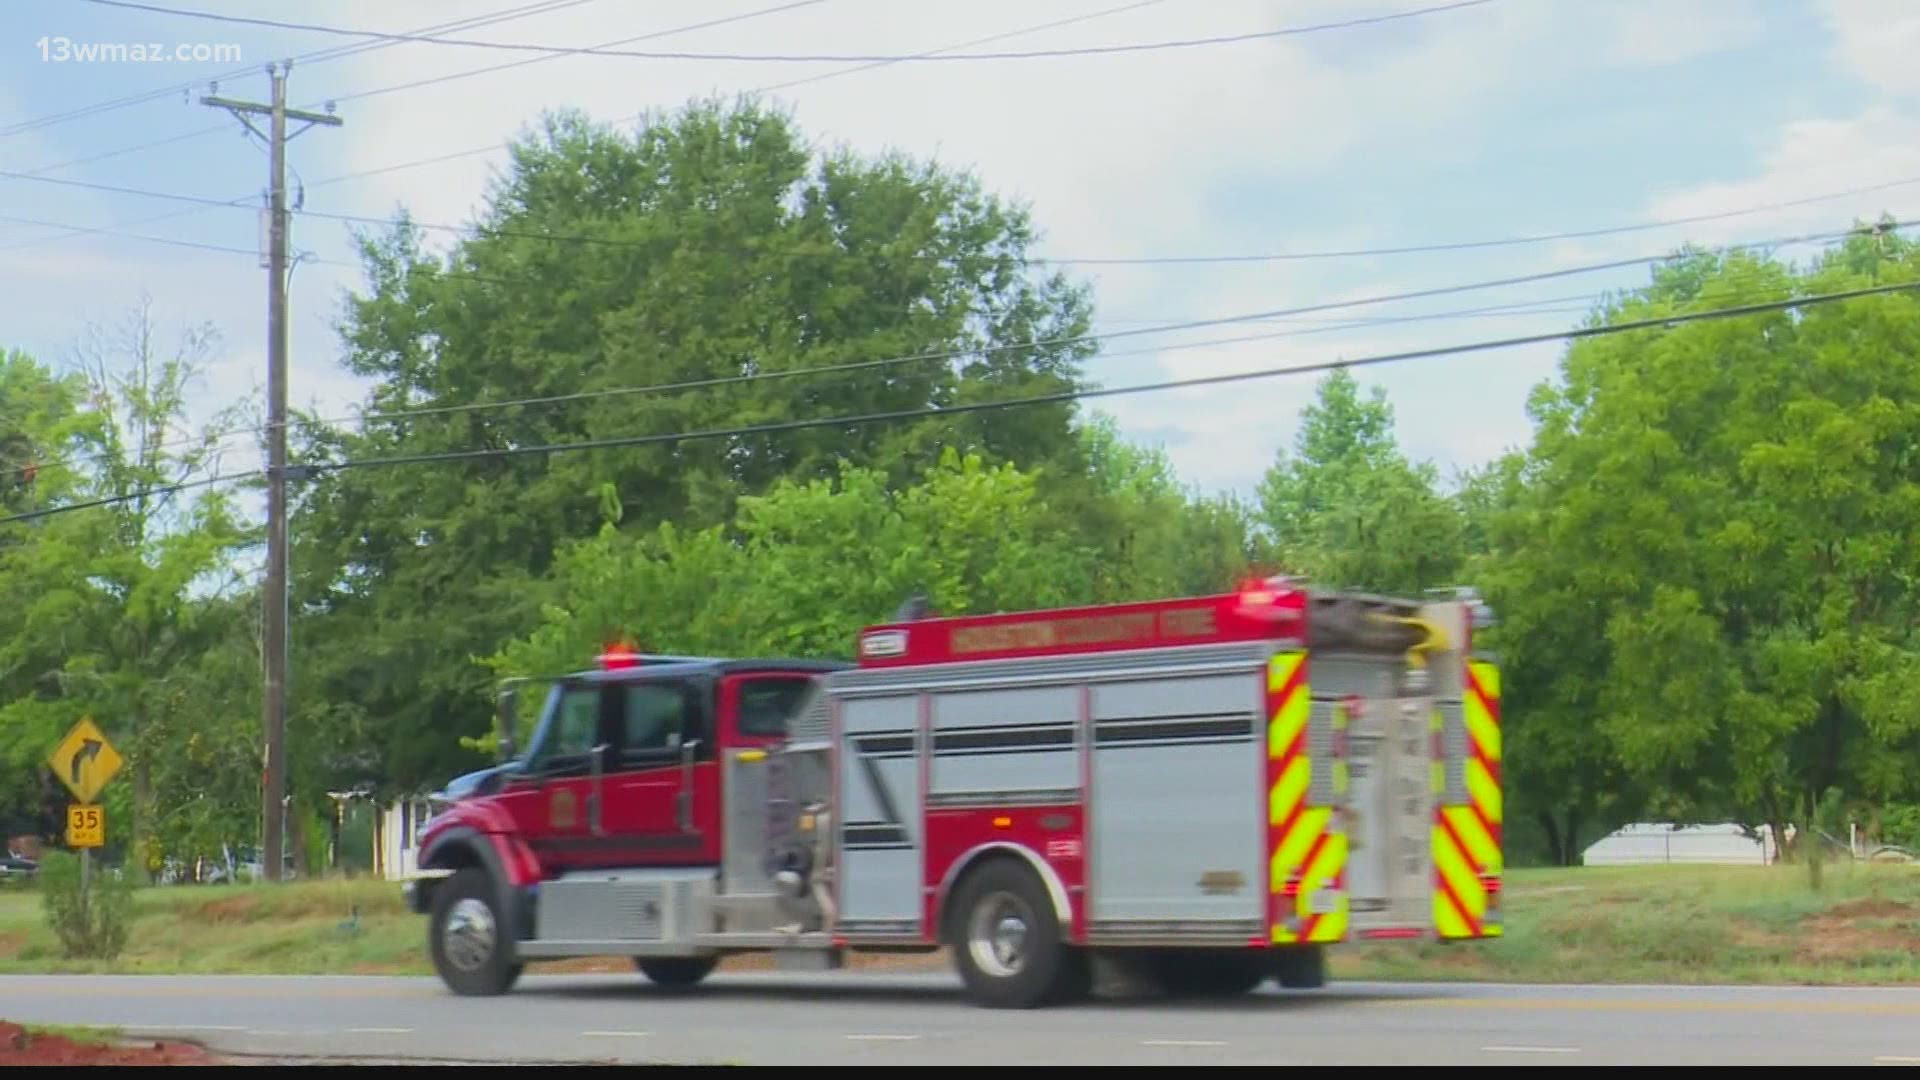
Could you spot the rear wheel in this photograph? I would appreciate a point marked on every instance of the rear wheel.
(469, 937)
(676, 971)
(1009, 944)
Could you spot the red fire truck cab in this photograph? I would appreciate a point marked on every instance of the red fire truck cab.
(1219, 787)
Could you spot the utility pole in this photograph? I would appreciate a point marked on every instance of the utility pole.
(275, 595)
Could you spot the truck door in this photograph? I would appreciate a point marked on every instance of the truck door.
(548, 797)
(661, 788)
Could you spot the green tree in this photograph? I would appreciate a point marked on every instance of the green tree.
(1348, 509)
(111, 601)
(1713, 562)
(1155, 536)
(41, 422)
(709, 245)
(1564, 781)
(800, 570)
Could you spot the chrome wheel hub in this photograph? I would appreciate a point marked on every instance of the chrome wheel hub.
(997, 938)
(468, 936)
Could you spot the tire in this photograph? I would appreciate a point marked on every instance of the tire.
(469, 937)
(1008, 944)
(676, 972)
(1301, 968)
(1210, 973)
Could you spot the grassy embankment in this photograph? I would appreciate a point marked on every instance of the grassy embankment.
(1679, 924)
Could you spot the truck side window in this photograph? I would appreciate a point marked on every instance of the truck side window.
(656, 719)
(767, 704)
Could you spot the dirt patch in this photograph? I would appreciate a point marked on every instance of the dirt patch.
(226, 909)
(11, 943)
(1827, 940)
(19, 1047)
(1871, 909)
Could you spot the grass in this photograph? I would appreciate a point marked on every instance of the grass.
(302, 929)
(1668, 924)
(1682, 924)
(82, 1034)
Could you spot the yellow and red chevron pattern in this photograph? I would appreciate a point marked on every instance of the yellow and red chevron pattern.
(1467, 858)
(1307, 899)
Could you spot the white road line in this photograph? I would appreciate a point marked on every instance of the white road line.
(613, 1034)
(379, 1031)
(1531, 1049)
(883, 1038)
(1891, 1059)
(1181, 1042)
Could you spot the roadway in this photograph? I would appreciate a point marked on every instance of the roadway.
(842, 1018)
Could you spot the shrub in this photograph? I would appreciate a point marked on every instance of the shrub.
(93, 924)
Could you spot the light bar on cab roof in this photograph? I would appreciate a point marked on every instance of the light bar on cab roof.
(618, 657)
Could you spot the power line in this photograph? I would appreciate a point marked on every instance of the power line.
(1469, 245)
(988, 40)
(1075, 339)
(114, 500)
(1172, 384)
(39, 223)
(348, 50)
(620, 442)
(1520, 309)
(952, 354)
(1333, 326)
(799, 58)
(438, 79)
(239, 201)
(619, 242)
(317, 56)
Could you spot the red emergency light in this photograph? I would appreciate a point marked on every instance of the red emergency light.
(618, 657)
(1272, 600)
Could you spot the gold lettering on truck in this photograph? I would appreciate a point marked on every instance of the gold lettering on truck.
(974, 639)
(1188, 622)
(1140, 626)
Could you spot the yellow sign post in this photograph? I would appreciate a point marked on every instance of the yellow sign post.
(84, 761)
(86, 826)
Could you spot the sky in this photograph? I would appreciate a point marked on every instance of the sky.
(1496, 120)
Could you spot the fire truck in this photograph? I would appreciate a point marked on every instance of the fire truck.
(1216, 789)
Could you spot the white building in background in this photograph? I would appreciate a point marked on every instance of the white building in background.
(1646, 844)
(396, 838)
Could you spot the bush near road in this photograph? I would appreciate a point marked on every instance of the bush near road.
(1670, 924)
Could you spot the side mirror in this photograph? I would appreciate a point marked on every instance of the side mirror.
(504, 723)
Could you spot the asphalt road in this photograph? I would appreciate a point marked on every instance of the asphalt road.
(843, 1018)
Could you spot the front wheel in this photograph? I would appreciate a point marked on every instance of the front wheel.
(1010, 946)
(469, 938)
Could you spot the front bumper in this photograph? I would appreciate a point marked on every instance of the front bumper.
(417, 892)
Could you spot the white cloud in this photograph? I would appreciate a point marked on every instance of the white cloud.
(1659, 34)
(1878, 40)
(1811, 158)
